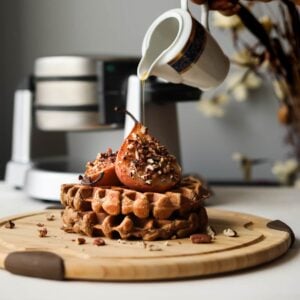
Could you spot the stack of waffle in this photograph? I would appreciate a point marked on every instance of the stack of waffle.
(118, 212)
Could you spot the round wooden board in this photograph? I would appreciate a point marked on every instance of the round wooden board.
(256, 243)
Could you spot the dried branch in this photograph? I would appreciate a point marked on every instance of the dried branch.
(253, 25)
(295, 20)
(285, 62)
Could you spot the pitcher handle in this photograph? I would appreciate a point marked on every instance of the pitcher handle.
(204, 12)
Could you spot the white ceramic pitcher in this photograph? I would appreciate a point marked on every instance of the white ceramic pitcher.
(179, 49)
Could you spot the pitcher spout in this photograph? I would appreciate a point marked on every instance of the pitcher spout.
(154, 66)
(145, 67)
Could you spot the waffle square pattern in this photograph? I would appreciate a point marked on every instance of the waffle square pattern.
(118, 212)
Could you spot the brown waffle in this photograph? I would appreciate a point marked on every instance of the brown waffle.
(187, 197)
(131, 227)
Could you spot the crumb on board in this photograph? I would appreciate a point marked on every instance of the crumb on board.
(201, 238)
(43, 232)
(50, 217)
(99, 242)
(9, 225)
(153, 247)
(80, 241)
(230, 232)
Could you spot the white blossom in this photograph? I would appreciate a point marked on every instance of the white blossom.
(244, 57)
(211, 108)
(237, 156)
(240, 84)
(265, 66)
(252, 81)
(240, 92)
(266, 22)
(221, 99)
(284, 169)
(226, 22)
(279, 87)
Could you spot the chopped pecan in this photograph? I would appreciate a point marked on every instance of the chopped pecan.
(201, 238)
(80, 241)
(99, 242)
(43, 232)
(50, 217)
(10, 225)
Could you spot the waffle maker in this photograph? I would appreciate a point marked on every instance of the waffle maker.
(78, 94)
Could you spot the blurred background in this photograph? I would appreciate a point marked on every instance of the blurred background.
(35, 28)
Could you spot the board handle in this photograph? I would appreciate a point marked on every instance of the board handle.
(39, 264)
(279, 225)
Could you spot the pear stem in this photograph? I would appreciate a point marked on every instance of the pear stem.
(122, 110)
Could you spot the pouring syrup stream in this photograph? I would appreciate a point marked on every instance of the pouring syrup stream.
(143, 79)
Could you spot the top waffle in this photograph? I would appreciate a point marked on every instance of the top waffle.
(187, 197)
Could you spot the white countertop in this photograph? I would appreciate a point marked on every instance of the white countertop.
(276, 280)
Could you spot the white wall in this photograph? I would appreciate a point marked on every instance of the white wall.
(45, 27)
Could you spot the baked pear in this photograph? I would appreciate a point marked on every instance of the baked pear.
(101, 171)
(143, 164)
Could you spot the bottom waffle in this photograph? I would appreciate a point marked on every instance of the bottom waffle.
(131, 227)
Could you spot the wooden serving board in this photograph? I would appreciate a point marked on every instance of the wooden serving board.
(58, 256)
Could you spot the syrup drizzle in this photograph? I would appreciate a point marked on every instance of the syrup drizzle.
(143, 79)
